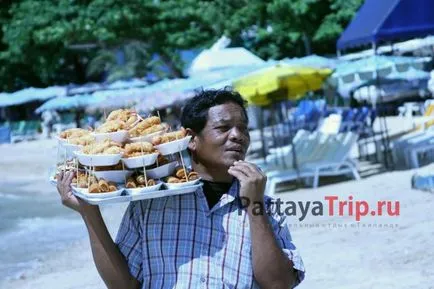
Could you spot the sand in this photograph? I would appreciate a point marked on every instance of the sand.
(336, 255)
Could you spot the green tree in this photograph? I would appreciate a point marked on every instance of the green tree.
(46, 42)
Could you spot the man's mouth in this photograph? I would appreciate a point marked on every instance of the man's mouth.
(236, 149)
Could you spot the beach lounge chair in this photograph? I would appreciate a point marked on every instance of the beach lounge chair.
(324, 155)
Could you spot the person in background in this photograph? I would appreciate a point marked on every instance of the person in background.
(212, 238)
(49, 118)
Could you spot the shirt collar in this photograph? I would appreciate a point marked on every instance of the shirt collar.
(226, 198)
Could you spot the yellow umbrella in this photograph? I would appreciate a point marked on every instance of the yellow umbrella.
(293, 82)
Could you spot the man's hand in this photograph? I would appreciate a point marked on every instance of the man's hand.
(64, 188)
(252, 180)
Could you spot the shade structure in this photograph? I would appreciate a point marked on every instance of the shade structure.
(349, 76)
(279, 82)
(71, 102)
(31, 94)
(388, 20)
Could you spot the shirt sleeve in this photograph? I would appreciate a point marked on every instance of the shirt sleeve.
(284, 239)
(129, 240)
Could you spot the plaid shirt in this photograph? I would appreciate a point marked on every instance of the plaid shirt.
(178, 242)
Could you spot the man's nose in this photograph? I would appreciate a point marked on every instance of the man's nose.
(237, 135)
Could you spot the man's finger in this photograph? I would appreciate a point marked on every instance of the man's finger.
(60, 176)
(246, 169)
(238, 173)
(253, 167)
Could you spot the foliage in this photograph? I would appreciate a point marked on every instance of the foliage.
(46, 42)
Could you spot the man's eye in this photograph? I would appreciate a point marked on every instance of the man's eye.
(223, 128)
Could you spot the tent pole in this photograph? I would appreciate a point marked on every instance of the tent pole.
(383, 122)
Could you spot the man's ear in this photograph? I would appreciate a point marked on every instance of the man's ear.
(192, 144)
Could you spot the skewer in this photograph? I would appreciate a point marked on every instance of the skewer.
(183, 166)
(125, 175)
(144, 168)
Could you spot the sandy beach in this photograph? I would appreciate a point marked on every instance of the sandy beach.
(338, 252)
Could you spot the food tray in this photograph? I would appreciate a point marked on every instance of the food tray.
(118, 136)
(100, 196)
(128, 198)
(174, 146)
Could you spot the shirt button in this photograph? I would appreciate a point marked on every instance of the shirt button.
(202, 279)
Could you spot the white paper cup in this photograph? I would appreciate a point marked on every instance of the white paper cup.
(98, 160)
(140, 161)
(162, 171)
(172, 186)
(147, 138)
(118, 136)
(113, 176)
(174, 146)
(138, 191)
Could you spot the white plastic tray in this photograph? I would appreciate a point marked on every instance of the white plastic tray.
(100, 196)
(148, 195)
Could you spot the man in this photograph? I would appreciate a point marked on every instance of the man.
(203, 239)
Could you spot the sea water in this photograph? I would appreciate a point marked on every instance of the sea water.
(32, 227)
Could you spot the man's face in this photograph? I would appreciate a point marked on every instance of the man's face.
(225, 137)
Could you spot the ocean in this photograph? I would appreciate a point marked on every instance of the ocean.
(31, 228)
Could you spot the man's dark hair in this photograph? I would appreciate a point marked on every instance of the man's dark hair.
(195, 112)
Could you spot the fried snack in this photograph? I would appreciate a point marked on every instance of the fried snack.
(151, 182)
(94, 188)
(140, 180)
(125, 115)
(162, 160)
(112, 188)
(73, 133)
(131, 184)
(168, 137)
(193, 176)
(106, 147)
(173, 180)
(117, 167)
(138, 149)
(111, 126)
(82, 140)
(103, 185)
(180, 173)
(147, 126)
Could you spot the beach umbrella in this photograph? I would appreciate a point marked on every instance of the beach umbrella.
(280, 82)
